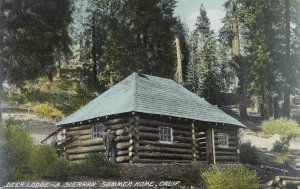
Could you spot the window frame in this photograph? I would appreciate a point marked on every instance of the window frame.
(100, 131)
(223, 138)
(171, 135)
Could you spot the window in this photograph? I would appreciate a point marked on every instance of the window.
(222, 139)
(97, 132)
(165, 134)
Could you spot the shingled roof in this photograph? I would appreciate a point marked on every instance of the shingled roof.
(153, 95)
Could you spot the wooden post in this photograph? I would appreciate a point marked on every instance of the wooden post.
(213, 145)
(134, 134)
(179, 74)
(194, 142)
(208, 145)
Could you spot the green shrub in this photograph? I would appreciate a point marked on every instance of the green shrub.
(287, 129)
(296, 116)
(283, 127)
(232, 177)
(283, 144)
(248, 153)
(48, 110)
(43, 160)
(16, 146)
(282, 159)
(61, 170)
(97, 166)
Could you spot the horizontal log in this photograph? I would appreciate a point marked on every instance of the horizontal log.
(148, 129)
(123, 153)
(116, 121)
(78, 156)
(226, 148)
(123, 159)
(78, 132)
(230, 143)
(88, 149)
(149, 136)
(83, 143)
(290, 183)
(142, 160)
(183, 133)
(83, 137)
(125, 138)
(226, 158)
(225, 153)
(118, 126)
(157, 143)
(164, 149)
(123, 145)
(80, 127)
(165, 155)
(182, 139)
(155, 123)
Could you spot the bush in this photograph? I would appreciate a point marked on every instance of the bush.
(232, 177)
(61, 170)
(283, 127)
(16, 146)
(248, 153)
(48, 110)
(43, 160)
(287, 129)
(97, 166)
(283, 144)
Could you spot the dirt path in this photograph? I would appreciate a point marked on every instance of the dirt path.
(38, 127)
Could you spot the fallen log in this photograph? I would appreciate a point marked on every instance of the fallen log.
(279, 178)
(290, 182)
(274, 168)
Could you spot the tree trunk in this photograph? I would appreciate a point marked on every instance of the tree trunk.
(276, 108)
(58, 69)
(94, 56)
(286, 106)
(266, 103)
(236, 51)
(1, 59)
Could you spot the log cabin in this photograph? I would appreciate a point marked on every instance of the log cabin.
(156, 120)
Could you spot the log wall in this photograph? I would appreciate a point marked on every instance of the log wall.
(137, 138)
(227, 154)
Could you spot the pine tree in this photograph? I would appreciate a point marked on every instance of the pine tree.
(204, 60)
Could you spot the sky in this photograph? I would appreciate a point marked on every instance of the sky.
(188, 10)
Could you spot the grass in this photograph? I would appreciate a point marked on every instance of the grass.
(280, 126)
(67, 94)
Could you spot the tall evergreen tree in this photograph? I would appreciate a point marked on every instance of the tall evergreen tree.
(230, 38)
(34, 33)
(205, 61)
